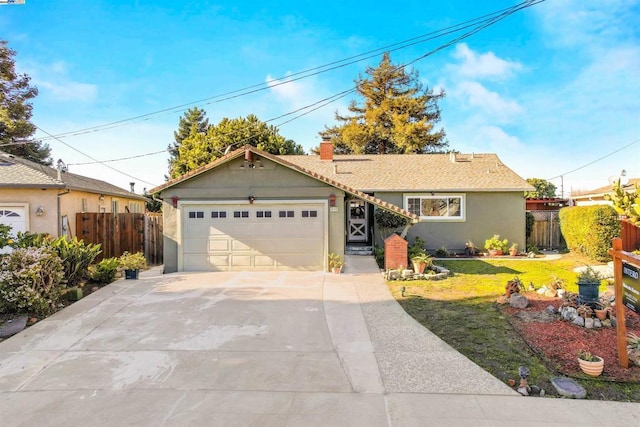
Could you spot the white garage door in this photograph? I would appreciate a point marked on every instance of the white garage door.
(253, 237)
(15, 217)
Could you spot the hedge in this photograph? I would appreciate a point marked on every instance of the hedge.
(589, 230)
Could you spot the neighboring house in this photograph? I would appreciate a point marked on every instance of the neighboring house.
(596, 197)
(41, 199)
(256, 211)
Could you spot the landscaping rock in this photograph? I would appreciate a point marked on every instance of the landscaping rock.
(550, 309)
(613, 321)
(13, 326)
(588, 323)
(502, 300)
(518, 301)
(535, 389)
(542, 290)
(551, 293)
(597, 323)
(569, 313)
(523, 391)
(606, 323)
(568, 388)
(578, 321)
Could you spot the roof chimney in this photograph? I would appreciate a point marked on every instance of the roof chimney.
(326, 149)
(132, 184)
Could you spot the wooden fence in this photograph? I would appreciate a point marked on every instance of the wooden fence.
(131, 232)
(630, 235)
(546, 231)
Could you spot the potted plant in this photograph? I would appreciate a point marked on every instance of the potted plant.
(335, 263)
(588, 284)
(633, 348)
(132, 263)
(420, 262)
(513, 250)
(495, 246)
(590, 363)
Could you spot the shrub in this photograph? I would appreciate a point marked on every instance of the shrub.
(530, 222)
(76, 257)
(133, 261)
(589, 230)
(378, 253)
(31, 281)
(494, 243)
(105, 271)
(443, 252)
(417, 248)
(31, 240)
(388, 222)
(6, 238)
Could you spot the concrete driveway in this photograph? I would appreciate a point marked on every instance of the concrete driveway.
(268, 349)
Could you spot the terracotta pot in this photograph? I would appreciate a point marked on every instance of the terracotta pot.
(601, 314)
(495, 252)
(419, 267)
(592, 368)
(513, 252)
(336, 270)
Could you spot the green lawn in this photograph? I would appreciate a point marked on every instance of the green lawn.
(462, 311)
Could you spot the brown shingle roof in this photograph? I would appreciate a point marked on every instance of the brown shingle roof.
(17, 172)
(417, 172)
(283, 160)
(630, 186)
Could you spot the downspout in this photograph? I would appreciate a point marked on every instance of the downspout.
(67, 191)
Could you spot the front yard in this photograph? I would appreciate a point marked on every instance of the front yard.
(462, 310)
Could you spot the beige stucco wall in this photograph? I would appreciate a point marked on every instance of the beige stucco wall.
(231, 182)
(487, 213)
(70, 203)
(34, 198)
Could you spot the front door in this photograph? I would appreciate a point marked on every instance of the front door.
(357, 220)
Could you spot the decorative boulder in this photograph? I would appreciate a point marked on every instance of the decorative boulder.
(518, 301)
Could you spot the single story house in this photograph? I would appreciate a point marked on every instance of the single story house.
(251, 210)
(596, 197)
(41, 199)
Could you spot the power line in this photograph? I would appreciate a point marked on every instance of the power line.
(483, 21)
(597, 160)
(326, 101)
(92, 158)
(117, 160)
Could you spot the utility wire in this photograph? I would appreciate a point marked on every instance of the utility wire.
(489, 19)
(326, 101)
(92, 158)
(597, 160)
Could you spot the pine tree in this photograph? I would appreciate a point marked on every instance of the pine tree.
(397, 116)
(16, 111)
(194, 120)
(200, 148)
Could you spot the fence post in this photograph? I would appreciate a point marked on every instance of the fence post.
(621, 325)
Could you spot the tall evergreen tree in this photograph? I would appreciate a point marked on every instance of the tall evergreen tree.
(194, 120)
(200, 148)
(16, 128)
(398, 115)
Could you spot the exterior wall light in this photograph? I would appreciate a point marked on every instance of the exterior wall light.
(40, 211)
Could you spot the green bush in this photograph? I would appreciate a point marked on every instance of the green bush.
(590, 230)
(6, 238)
(530, 222)
(31, 281)
(31, 240)
(76, 257)
(135, 261)
(105, 271)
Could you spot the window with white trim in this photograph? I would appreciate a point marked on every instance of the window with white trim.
(444, 207)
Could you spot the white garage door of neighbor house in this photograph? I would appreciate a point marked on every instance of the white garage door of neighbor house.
(219, 237)
(15, 216)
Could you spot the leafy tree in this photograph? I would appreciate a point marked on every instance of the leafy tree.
(200, 148)
(398, 115)
(543, 188)
(194, 120)
(16, 110)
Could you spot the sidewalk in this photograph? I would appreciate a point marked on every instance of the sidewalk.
(426, 382)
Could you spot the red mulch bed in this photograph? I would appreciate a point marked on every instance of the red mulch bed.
(559, 341)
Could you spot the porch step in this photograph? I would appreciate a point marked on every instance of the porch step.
(359, 250)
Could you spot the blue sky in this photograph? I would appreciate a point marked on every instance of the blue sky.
(549, 89)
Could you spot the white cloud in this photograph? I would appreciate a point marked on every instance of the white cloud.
(294, 93)
(485, 65)
(490, 102)
(53, 80)
(68, 90)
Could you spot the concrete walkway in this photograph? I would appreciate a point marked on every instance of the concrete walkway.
(268, 349)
